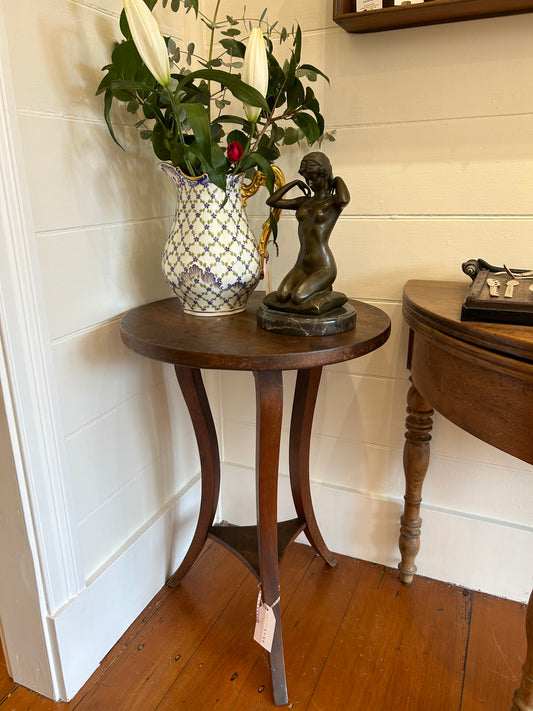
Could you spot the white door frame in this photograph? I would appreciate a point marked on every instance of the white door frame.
(37, 441)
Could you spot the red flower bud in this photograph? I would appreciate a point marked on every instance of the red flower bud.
(235, 151)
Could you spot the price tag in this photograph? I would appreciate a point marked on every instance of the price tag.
(265, 622)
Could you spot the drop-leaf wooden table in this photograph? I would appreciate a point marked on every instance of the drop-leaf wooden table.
(163, 332)
(477, 375)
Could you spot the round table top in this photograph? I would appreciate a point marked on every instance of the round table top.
(162, 331)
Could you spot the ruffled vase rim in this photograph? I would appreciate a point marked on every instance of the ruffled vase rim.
(203, 177)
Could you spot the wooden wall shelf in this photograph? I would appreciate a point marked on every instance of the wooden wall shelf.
(428, 13)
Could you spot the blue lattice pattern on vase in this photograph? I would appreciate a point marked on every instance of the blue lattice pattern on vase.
(211, 260)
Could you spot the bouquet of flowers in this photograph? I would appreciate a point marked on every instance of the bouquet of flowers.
(181, 99)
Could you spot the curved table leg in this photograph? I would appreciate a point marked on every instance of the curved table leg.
(415, 463)
(523, 697)
(192, 387)
(303, 409)
(269, 408)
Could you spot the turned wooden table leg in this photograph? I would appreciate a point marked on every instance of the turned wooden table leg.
(269, 408)
(305, 394)
(415, 462)
(192, 387)
(523, 697)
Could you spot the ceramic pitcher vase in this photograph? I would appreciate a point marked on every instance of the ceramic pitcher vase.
(211, 259)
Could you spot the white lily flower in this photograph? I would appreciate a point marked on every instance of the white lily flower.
(255, 70)
(148, 39)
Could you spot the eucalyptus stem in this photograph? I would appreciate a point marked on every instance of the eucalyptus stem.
(211, 43)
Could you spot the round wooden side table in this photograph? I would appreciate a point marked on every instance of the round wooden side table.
(163, 332)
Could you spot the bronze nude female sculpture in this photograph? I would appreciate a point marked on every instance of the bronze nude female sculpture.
(307, 288)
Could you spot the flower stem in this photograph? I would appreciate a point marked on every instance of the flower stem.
(211, 44)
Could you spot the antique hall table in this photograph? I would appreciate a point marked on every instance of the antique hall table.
(477, 375)
(163, 332)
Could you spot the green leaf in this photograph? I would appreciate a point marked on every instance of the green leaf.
(210, 26)
(297, 44)
(295, 95)
(291, 136)
(290, 71)
(199, 121)
(268, 149)
(311, 68)
(177, 156)
(245, 93)
(228, 118)
(308, 125)
(124, 27)
(105, 83)
(192, 4)
(233, 47)
(123, 22)
(160, 142)
(266, 168)
(125, 84)
(238, 136)
(126, 59)
(273, 226)
(108, 102)
(155, 112)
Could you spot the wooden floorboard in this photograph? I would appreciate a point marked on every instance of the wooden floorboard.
(355, 639)
(362, 660)
(496, 649)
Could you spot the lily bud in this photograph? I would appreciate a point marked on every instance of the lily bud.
(255, 70)
(148, 39)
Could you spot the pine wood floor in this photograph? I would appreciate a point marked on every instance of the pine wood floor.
(355, 639)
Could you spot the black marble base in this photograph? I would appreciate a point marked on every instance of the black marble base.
(338, 320)
(321, 302)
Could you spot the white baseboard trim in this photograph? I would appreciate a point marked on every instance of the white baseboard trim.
(477, 553)
(87, 627)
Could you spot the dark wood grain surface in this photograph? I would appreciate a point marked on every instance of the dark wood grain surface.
(163, 332)
(437, 305)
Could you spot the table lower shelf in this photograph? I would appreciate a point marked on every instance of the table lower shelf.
(242, 540)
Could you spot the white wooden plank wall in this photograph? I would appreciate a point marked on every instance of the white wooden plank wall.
(101, 216)
(434, 137)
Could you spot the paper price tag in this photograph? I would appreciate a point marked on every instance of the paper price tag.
(265, 624)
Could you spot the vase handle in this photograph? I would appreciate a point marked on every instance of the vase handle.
(266, 230)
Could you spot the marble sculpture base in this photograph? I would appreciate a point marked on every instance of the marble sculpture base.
(338, 320)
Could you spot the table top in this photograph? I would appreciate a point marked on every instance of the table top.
(162, 331)
(437, 304)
